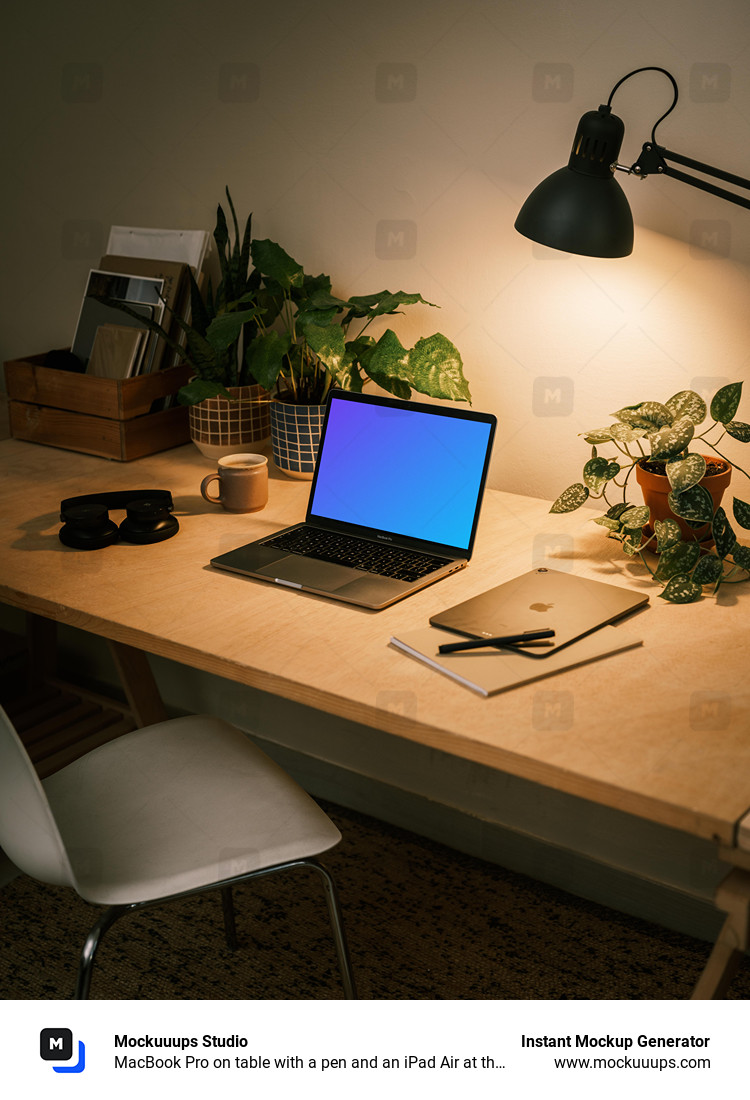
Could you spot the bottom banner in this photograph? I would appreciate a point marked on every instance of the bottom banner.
(339, 1049)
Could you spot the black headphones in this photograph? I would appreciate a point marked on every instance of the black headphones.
(87, 526)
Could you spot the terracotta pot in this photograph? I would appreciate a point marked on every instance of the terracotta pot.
(295, 435)
(656, 489)
(219, 427)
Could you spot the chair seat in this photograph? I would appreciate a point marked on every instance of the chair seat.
(164, 810)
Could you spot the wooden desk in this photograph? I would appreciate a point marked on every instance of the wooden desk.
(661, 731)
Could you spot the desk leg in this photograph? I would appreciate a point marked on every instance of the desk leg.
(138, 682)
(41, 640)
(733, 896)
(142, 694)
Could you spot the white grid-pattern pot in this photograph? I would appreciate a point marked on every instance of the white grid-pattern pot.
(218, 426)
(295, 435)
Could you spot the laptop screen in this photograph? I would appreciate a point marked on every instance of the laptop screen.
(403, 468)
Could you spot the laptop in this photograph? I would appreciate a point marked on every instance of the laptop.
(541, 599)
(394, 502)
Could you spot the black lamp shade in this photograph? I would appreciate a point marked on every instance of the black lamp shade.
(582, 208)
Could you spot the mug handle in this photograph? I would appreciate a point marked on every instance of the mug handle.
(204, 489)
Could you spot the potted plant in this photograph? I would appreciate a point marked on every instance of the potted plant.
(308, 339)
(227, 406)
(684, 523)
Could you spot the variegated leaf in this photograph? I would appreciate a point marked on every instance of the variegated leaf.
(687, 403)
(724, 536)
(725, 402)
(737, 430)
(573, 497)
(677, 559)
(635, 518)
(667, 532)
(741, 556)
(671, 441)
(694, 505)
(681, 589)
(741, 513)
(708, 570)
(683, 473)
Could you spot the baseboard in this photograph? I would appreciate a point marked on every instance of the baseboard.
(563, 868)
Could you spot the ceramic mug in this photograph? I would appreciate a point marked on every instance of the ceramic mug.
(243, 483)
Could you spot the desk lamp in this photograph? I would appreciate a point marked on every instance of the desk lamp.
(582, 208)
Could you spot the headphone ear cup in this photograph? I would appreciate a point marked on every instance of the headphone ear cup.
(148, 521)
(87, 527)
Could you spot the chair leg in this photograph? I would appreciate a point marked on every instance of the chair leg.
(86, 963)
(230, 927)
(337, 925)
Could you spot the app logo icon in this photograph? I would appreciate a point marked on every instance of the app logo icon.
(56, 1045)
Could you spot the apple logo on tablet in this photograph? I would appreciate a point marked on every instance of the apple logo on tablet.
(540, 606)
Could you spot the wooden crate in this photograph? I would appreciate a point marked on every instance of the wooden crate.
(98, 416)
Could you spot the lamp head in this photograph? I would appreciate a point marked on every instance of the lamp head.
(582, 208)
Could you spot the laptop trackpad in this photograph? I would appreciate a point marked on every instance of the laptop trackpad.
(326, 576)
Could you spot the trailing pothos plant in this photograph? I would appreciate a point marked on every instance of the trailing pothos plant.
(308, 339)
(661, 434)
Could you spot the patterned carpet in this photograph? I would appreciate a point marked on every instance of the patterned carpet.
(423, 922)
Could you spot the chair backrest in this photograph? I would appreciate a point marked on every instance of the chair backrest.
(28, 833)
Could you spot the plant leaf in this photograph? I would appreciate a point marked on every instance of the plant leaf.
(708, 570)
(741, 513)
(624, 433)
(573, 497)
(725, 402)
(687, 403)
(741, 556)
(738, 430)
(683, 473)
(265, 356)
(670, 442)
(272, 261)
(198, 389)
(694, 504)
(667, 533)
(676, 560)
(598, 471)
(681, 589)
(597, 435)
(327, 341)
(376, 305)
(433, 366)
(225, 328)
(649, 415)
(724, 536)
(635, 518)
(631, 541)
(436, 369)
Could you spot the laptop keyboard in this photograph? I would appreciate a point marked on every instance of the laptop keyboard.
(372, 557)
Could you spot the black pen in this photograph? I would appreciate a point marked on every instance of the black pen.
(507, 639)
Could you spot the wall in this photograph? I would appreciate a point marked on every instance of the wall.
(392, 144)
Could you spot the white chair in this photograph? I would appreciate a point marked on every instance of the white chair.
(166, 811)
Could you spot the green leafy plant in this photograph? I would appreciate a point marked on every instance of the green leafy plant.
(309, 339)
(659, 436)
(222, 322)
(269, 322)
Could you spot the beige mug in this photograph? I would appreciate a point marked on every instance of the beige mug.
(243, 483)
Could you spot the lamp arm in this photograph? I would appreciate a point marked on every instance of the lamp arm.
(654, 158)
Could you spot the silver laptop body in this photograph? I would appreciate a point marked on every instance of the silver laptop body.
(394, 502)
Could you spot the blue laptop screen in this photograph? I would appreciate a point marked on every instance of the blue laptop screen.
(402, 470)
